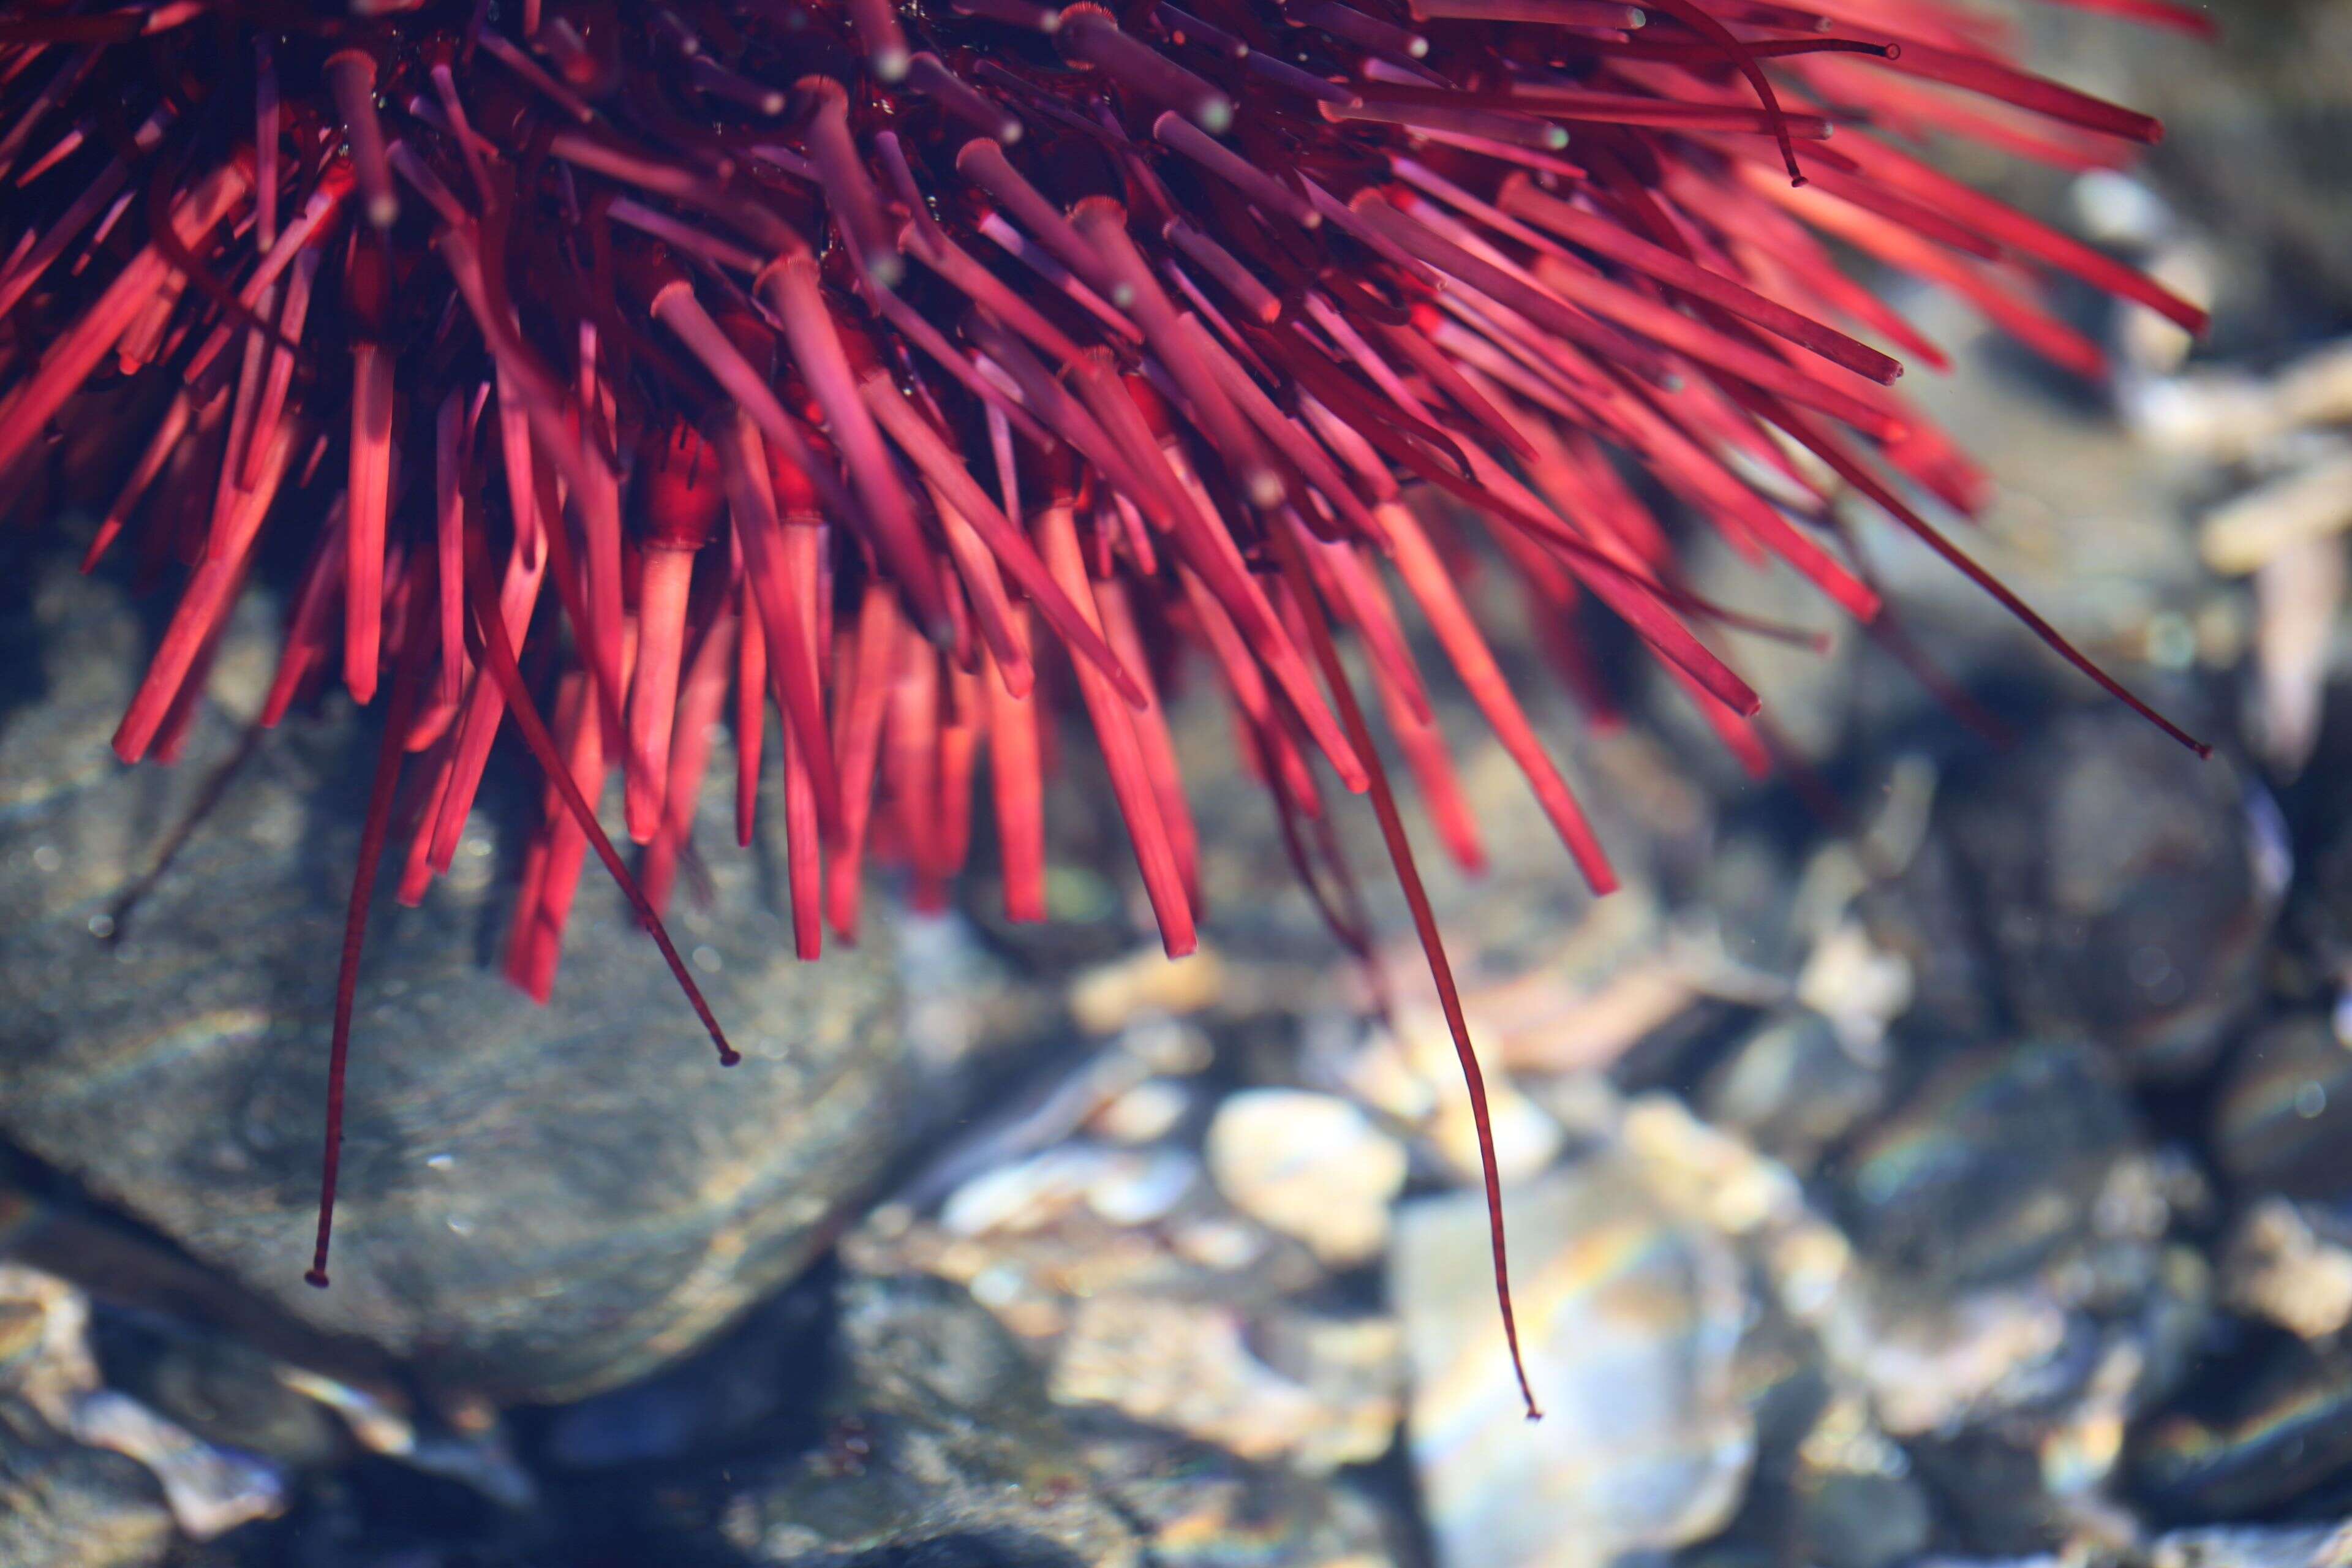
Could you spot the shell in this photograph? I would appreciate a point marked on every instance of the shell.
(1310, 1166)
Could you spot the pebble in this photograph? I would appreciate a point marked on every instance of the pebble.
(2279, 1423)
(2283, 1118)
(1137, 1286)
(65, 1505)
(1309, 1165)
(1186, 1366)
(1990, 1169)
(2271, 1546)
(2289, 1264)
(1629, 1317)
(1414, 1076)
(1794, 1087)
(1858, 1505)
(935, 1442)
(209, 1490)
(2124, 886)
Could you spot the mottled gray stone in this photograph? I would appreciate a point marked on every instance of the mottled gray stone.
(2283, 1109)
(2260, 1546)
(1793, 1089)
(1991, 1169)
(936, 1438)
(64, 1506)
(1630, 1318)
(2123, 886)
(939, 1446)
(537, 1203)
(2278, 1427)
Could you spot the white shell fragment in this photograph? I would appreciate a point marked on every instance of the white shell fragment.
(1309, 1165)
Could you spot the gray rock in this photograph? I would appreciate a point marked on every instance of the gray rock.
(1630, 1315)
(939, 1446)
(1924, 914)
(1200, 1508)
(1991, 1492)
(1828, 1488)
(2119, 881)
(229, 1395)
(757, 1373)
(935, 1439)
(1991, 1170)
(64, 1506)
(2272, 1429)
(2259, 1546)
(2283, 1118)
(537, 1203)
(1792, 1088)
(1862, 1518)
(1746, 890)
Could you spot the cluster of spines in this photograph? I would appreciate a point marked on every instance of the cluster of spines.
(848, 357)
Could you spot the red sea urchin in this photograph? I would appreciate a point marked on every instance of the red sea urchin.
(831, 350)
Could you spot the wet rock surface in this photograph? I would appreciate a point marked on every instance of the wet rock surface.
(1631, 1322)
(933, 1438)
(537, 1202)
(2283, 1109)
(1990, 1169)
(937, 1443)
(1794, 1088)
(2124, 886)
(63, 1505)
